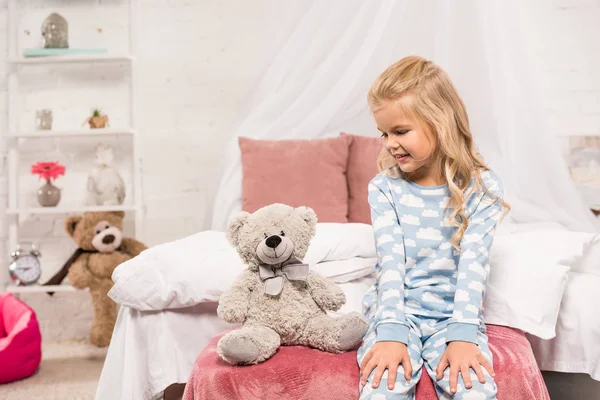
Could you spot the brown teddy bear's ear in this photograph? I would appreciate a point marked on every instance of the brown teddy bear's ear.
(235, 225)
(71, 222)
(308, 214)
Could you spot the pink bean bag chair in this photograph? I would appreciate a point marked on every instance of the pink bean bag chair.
(20, 339)
(296, 373)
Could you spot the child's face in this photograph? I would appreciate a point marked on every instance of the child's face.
(407, 139)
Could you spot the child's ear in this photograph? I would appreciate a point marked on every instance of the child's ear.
(235, 226)
(71, 223)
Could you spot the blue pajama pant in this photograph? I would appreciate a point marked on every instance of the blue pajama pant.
(426, 344)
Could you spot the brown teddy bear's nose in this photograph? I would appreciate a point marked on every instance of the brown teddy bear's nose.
(108, 239)
(273, 241)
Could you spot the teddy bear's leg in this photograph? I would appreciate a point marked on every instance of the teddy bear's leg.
(335, 335)
(105, 315)
(248, 345)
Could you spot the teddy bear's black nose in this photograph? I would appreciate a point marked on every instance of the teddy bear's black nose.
(108, 239)
(273, 241)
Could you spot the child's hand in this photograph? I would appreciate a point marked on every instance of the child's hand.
(461, 357)
(385, 355)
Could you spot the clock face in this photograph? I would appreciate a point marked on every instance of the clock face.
(25, 269)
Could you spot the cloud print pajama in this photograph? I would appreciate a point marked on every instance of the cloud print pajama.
(427, 293)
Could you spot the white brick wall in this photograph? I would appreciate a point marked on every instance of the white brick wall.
(563, 37)
(193, 75)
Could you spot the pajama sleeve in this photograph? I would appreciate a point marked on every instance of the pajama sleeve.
(473, 265)
(390, 323)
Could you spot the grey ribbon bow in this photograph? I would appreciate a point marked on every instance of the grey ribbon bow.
(273, 275)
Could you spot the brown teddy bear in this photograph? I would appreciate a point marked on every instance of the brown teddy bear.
(102, 248)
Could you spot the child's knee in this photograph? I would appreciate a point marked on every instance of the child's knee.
(478, 390)
(402, 389)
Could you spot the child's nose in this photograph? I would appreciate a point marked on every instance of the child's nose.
(391, 144)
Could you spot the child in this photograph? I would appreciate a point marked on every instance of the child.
(434, 207)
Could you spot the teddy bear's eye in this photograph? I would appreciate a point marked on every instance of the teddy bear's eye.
(282, 233)
(266, 236)
(107, 226)
(98, 231)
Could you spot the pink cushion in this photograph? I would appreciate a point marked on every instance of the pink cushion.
(296, 373)
(362, 167)
(21, 342)
(298, 173)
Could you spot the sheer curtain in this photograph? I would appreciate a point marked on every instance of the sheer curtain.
(328, 53)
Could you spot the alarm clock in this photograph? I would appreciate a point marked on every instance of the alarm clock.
(25, 269)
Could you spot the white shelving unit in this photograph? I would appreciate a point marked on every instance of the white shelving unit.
(15, 136)
(40, 289)
(71, 59)
(73, 132)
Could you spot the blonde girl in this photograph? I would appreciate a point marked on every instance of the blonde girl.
(434, 207)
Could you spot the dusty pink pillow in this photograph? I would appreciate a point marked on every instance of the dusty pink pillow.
(362, 167)
(298, 173)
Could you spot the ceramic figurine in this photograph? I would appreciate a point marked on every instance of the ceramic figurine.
(55, 32)
(105, 186)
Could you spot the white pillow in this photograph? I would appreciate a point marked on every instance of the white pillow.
(590, 262)
(200, 267)
(181, 273)
(341, 241)
(528, 275)
(343, 271)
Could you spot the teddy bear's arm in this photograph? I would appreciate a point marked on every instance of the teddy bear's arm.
(325, 293)
(233, 304)
(79, 274)
(132, 247)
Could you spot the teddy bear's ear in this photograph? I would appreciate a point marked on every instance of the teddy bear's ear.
(235, 225)
(308, 214)
(71, 222)
(120, 214)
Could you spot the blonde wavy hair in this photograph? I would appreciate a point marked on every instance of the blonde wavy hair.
(436, 103)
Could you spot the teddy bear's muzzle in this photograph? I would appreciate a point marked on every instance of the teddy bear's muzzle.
(275, 249)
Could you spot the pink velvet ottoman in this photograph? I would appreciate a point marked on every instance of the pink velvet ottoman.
(296, 373)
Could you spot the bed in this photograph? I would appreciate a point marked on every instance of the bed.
(151, 350)
(168, 294)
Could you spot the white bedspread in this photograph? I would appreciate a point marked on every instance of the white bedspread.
(576, 347)
(151, 350)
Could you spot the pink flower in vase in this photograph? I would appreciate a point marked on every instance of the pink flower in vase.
(47, 170)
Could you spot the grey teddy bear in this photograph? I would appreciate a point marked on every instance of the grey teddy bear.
(277, 299)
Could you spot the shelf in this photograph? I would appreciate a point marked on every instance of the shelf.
(68, 210)
(73, 132)
(70, 59)
(40, 289)
(575, 133)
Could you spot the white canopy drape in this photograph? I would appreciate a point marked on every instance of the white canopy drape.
(328, 53)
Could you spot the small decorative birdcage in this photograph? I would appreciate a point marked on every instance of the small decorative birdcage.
(55, 32)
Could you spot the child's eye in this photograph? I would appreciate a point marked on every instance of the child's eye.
(384, 135)
(401, 132)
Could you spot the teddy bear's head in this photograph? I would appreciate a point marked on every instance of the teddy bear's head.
(96, 231)
(272, 234)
